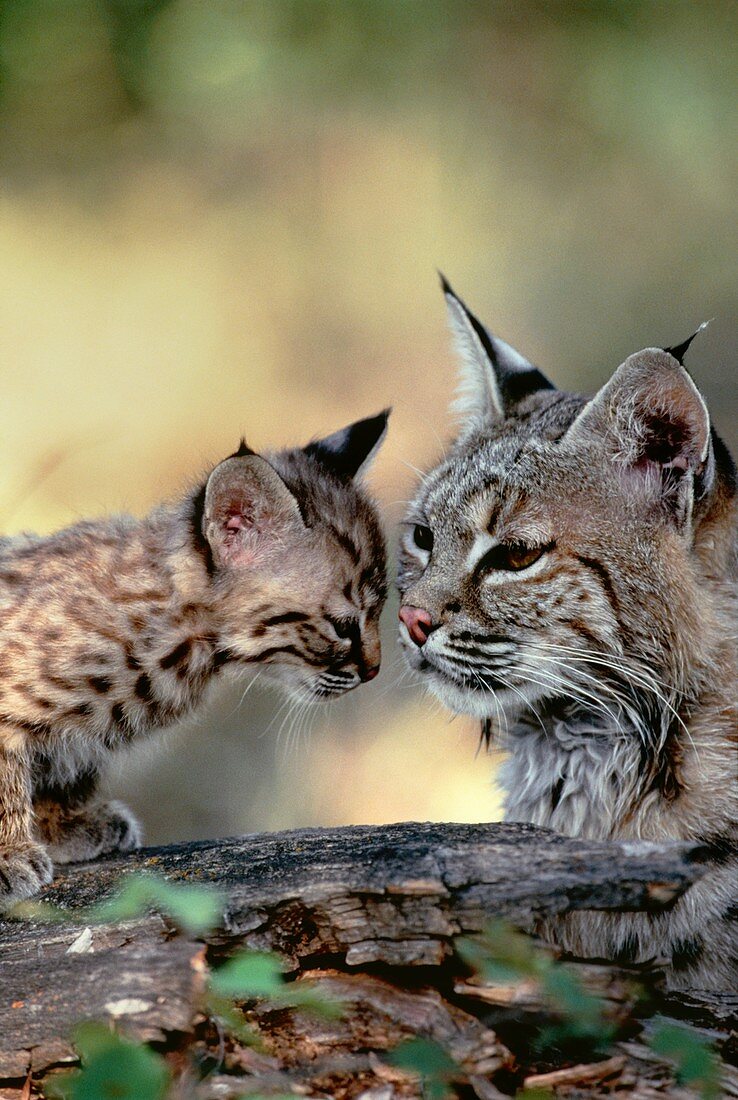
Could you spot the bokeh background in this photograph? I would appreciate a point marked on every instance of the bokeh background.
(221, 216)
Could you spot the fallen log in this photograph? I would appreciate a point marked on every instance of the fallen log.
(370, 912)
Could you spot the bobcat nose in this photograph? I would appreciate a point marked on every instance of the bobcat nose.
(418, 622)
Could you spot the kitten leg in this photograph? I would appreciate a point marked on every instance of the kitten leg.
(25, 865)
(75, 826)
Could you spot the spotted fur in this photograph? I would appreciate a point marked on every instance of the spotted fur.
(606, 665)
(115, 628)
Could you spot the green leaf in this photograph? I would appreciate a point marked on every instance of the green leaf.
(195, 908)
(502, 954)
(113, 1069)
(38, 910)
(92, 1038)
(249, 974)
(258, 975)
(231, 1020)
(695, 1060)
(430, 1062)
(565, 993)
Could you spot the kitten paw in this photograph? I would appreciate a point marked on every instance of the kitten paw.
(99, 829)
(122, 831)
(23, 872)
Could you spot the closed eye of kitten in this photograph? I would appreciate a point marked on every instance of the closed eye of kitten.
(115, 628)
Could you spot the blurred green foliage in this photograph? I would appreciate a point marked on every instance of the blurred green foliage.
(259, 975)
(194, 908)
(113, 1068)
(695, 1062)
(502, 954)
(430, 1062)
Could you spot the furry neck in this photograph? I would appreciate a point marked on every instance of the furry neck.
(588, 774)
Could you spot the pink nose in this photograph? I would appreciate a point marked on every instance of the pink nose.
(418, 622)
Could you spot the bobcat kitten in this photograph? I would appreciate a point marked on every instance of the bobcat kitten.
(116, 627)
(568, 574)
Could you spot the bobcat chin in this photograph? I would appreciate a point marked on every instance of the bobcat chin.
(568, 575)
(116, 628)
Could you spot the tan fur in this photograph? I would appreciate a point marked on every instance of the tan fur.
(113, 629)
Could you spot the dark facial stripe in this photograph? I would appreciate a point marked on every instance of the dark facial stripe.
(286, 617)
(482, 639)
(291, 650)
(584, 631)
(603, 575)
(346, 544)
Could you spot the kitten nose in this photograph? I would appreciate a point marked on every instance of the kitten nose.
(418, 622)
(370, 673)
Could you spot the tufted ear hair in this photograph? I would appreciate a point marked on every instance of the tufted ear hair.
(349, 452)
(248, 510)
(495, 377)
(678, 351)
(654, 424)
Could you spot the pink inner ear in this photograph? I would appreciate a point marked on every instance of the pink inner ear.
(235, 522)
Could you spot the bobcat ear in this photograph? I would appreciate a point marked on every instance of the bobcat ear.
(494, 377)
(248, 509)
(654, 423)
(349, 453)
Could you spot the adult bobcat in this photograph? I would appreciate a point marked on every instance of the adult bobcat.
(114, 628)
(568, 574)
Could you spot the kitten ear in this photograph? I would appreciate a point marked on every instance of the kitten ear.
(248, 508)
(495, 377)
(349, 453)
(654, 423)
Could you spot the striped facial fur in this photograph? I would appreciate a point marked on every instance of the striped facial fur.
(568, 575)
(116, 628)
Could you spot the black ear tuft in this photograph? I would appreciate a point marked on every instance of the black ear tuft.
(243, 450)
(495, 377)
(680, 350)
(348, 452)
(445, 284)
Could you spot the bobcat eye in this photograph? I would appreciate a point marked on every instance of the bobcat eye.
(423, 537)
(512, 556)
(343, 628)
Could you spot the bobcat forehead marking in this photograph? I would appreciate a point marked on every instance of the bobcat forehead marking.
(113, 629)
(579, 596)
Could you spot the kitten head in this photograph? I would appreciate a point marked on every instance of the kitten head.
(298, 560)
(562, 550)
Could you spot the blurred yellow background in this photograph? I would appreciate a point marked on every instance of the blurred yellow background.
(225, 217)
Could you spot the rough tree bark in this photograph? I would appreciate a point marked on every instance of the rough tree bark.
(371, 914)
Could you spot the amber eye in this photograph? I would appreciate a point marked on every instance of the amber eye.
(423, 537)
(512, 555)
